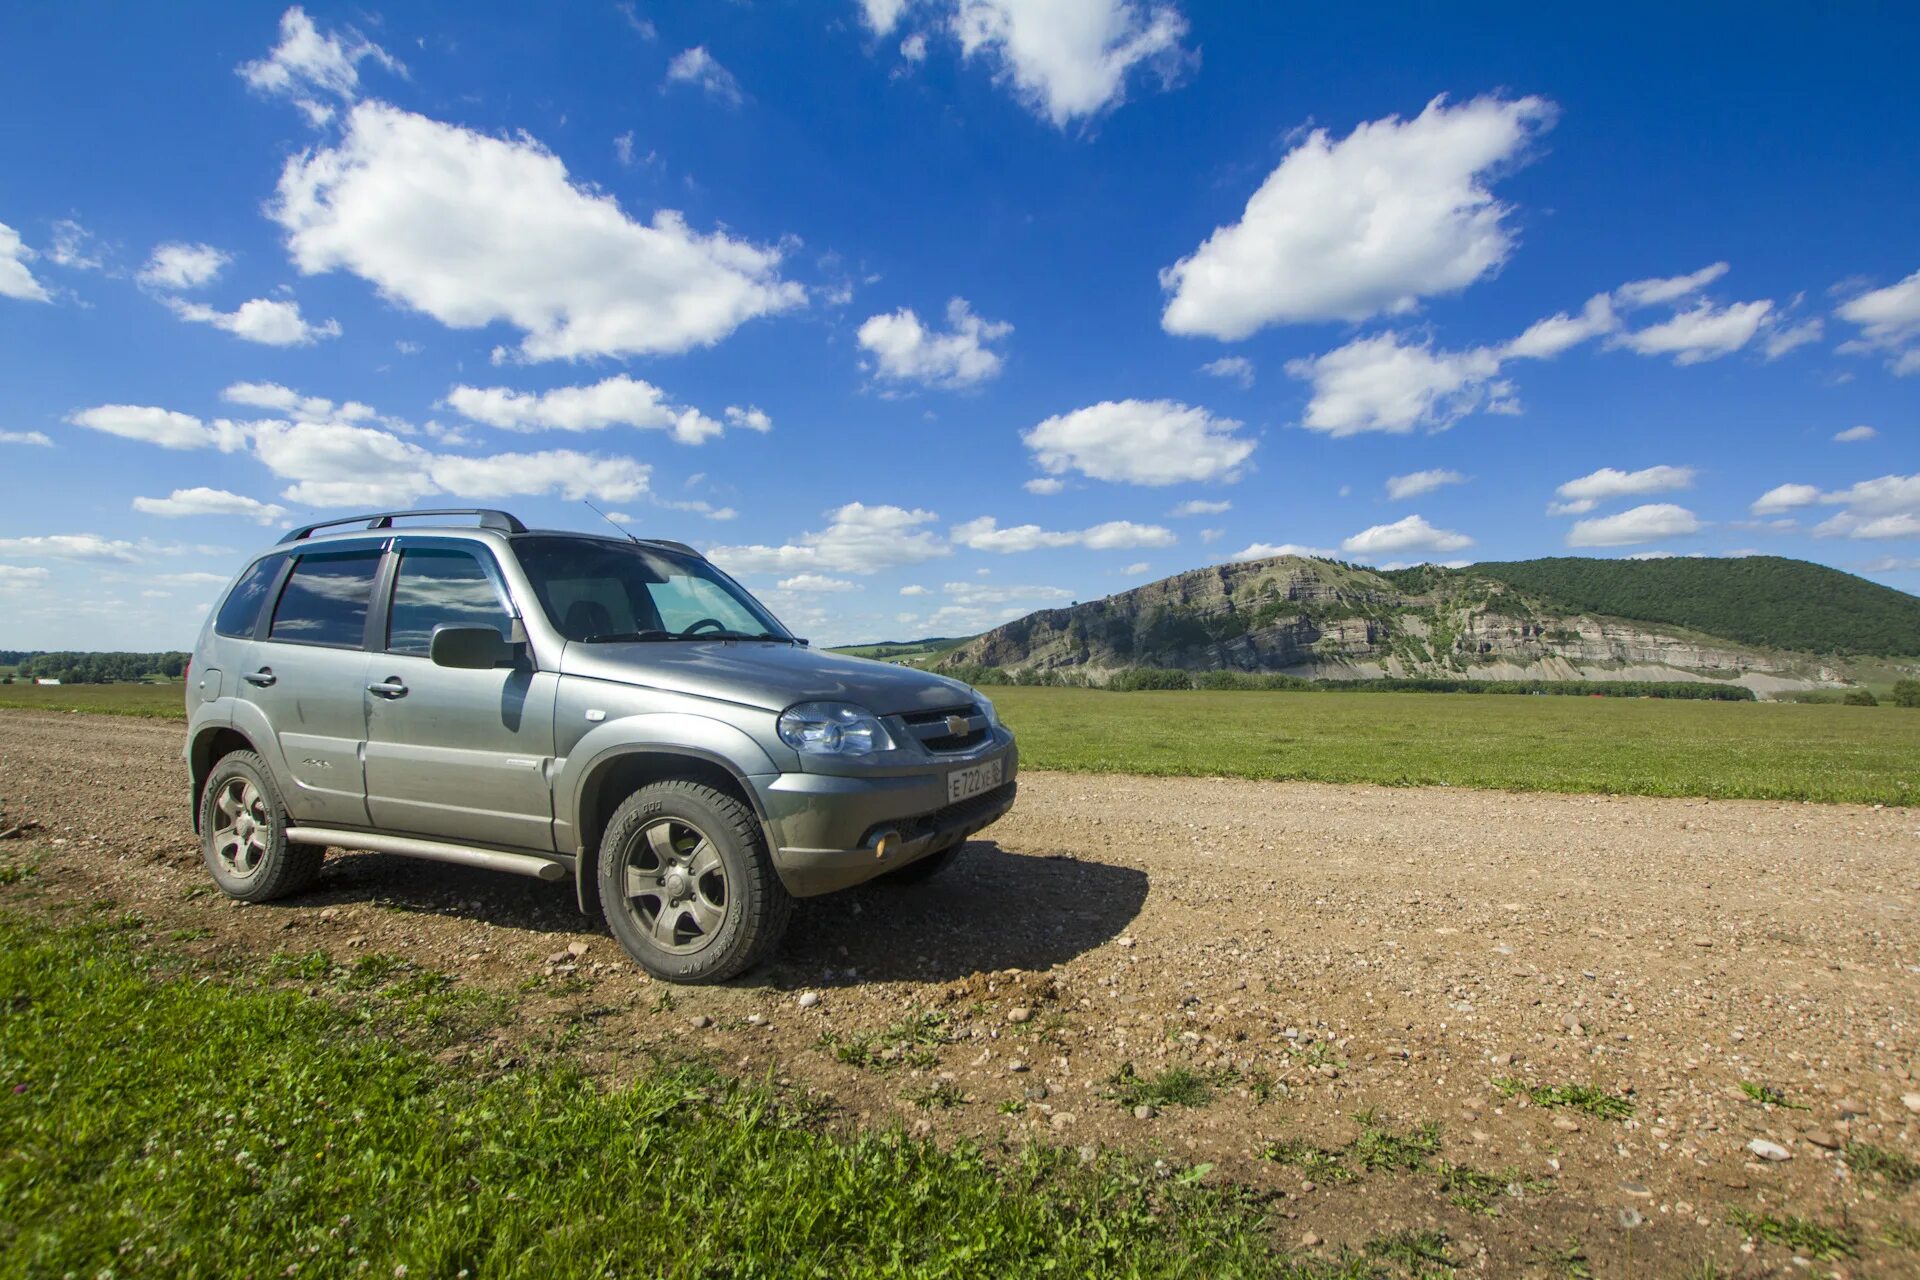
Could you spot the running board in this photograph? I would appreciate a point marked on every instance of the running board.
(520, 864)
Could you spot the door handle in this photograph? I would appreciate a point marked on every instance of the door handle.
(263, 677)
(391, 687)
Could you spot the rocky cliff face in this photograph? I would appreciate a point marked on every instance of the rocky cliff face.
(1320, 619)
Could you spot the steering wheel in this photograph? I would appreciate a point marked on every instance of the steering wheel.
(715, 623)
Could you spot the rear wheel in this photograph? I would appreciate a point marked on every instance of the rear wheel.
(243, 833)
(687, 885)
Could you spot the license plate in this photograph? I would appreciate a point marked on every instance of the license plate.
(962, 783)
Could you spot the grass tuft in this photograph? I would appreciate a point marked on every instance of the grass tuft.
(1768, 1096)
(1586, 1099)
(913, 1041)
(1174, 1087)
(1897, 1171)
(1802, 1235)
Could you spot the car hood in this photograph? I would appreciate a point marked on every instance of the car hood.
(764, 674)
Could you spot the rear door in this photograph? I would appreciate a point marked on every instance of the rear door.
(307, 672)
(459, 755)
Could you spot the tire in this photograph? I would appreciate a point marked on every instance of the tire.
(686, 883)
(243, 833)
(921, 870)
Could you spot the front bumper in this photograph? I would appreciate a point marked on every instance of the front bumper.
(825, 828)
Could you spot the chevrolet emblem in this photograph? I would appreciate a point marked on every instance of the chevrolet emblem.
(957, 725)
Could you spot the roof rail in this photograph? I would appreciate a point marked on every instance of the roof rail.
(489, 519)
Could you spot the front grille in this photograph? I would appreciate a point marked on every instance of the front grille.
(964, 815)
(935, 729)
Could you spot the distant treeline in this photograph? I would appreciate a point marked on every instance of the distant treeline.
(1145, 678)
(92, 668)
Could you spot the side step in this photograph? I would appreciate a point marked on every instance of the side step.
(520, 864)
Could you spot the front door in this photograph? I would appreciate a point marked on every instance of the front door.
(308, 675)
(454, 754)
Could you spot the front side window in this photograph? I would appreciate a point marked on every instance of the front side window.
(594, 591)
(438, 586)
(240, 611)
(325, 601)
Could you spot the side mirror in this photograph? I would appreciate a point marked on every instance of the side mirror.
(469, 648)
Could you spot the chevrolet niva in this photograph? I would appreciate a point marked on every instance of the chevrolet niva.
(617, 710)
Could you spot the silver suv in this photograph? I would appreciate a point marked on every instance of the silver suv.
(565, 704)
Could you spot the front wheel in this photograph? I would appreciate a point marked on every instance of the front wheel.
(243, 833)
(687, 885)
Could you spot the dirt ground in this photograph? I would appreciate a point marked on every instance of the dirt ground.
(1311, 951)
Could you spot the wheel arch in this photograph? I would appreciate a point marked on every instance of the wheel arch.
(210, 746)
(618, 774)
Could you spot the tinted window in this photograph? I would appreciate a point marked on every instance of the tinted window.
(326, 599)
(241, 610)
(441, 586)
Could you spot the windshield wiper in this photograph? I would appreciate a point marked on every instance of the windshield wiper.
(741, 635)
(622, 637)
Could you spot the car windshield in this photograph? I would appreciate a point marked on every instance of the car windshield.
(597, 591)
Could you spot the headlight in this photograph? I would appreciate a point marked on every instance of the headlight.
(832, 729)
(986, 705)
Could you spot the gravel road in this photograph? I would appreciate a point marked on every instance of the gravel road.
(1311, 953)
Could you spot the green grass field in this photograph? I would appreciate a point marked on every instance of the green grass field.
(1629, 746)
(161, 1120)
(150, 701)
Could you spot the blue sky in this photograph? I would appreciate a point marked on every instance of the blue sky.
(920, 315)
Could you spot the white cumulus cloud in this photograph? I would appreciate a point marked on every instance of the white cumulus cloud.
(1610, 482)
(1145, 442)
(905, 350)
(1638, 524)
(882, 16)
(701, 69)
(1889, 321)
(307, 66)
(1044, 486)
(26, 437)
(1068, 60)
(70, 546)
(15, 577)
(1545, 339)
(271, 322)
(1854, 435)
(1647, 293)
(1200, 507)
(1412, 533)
(1268, 550)
(1887, 507)
(1238, 368)
(1381, 383)
(473, 229)
(16, 280)
(1396, 211)
(176, 265)
(209, 502)
(858, 539)
(165, 427)
(616, 401)
(1413, 484)
(984, 534)
(1703, 332)
(816, 582)
(1785, 497)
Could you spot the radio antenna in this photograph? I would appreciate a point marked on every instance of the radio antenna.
(609, 519)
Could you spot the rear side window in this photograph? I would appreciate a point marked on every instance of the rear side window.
(326, 599)
(441, 585)
(240, 612)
